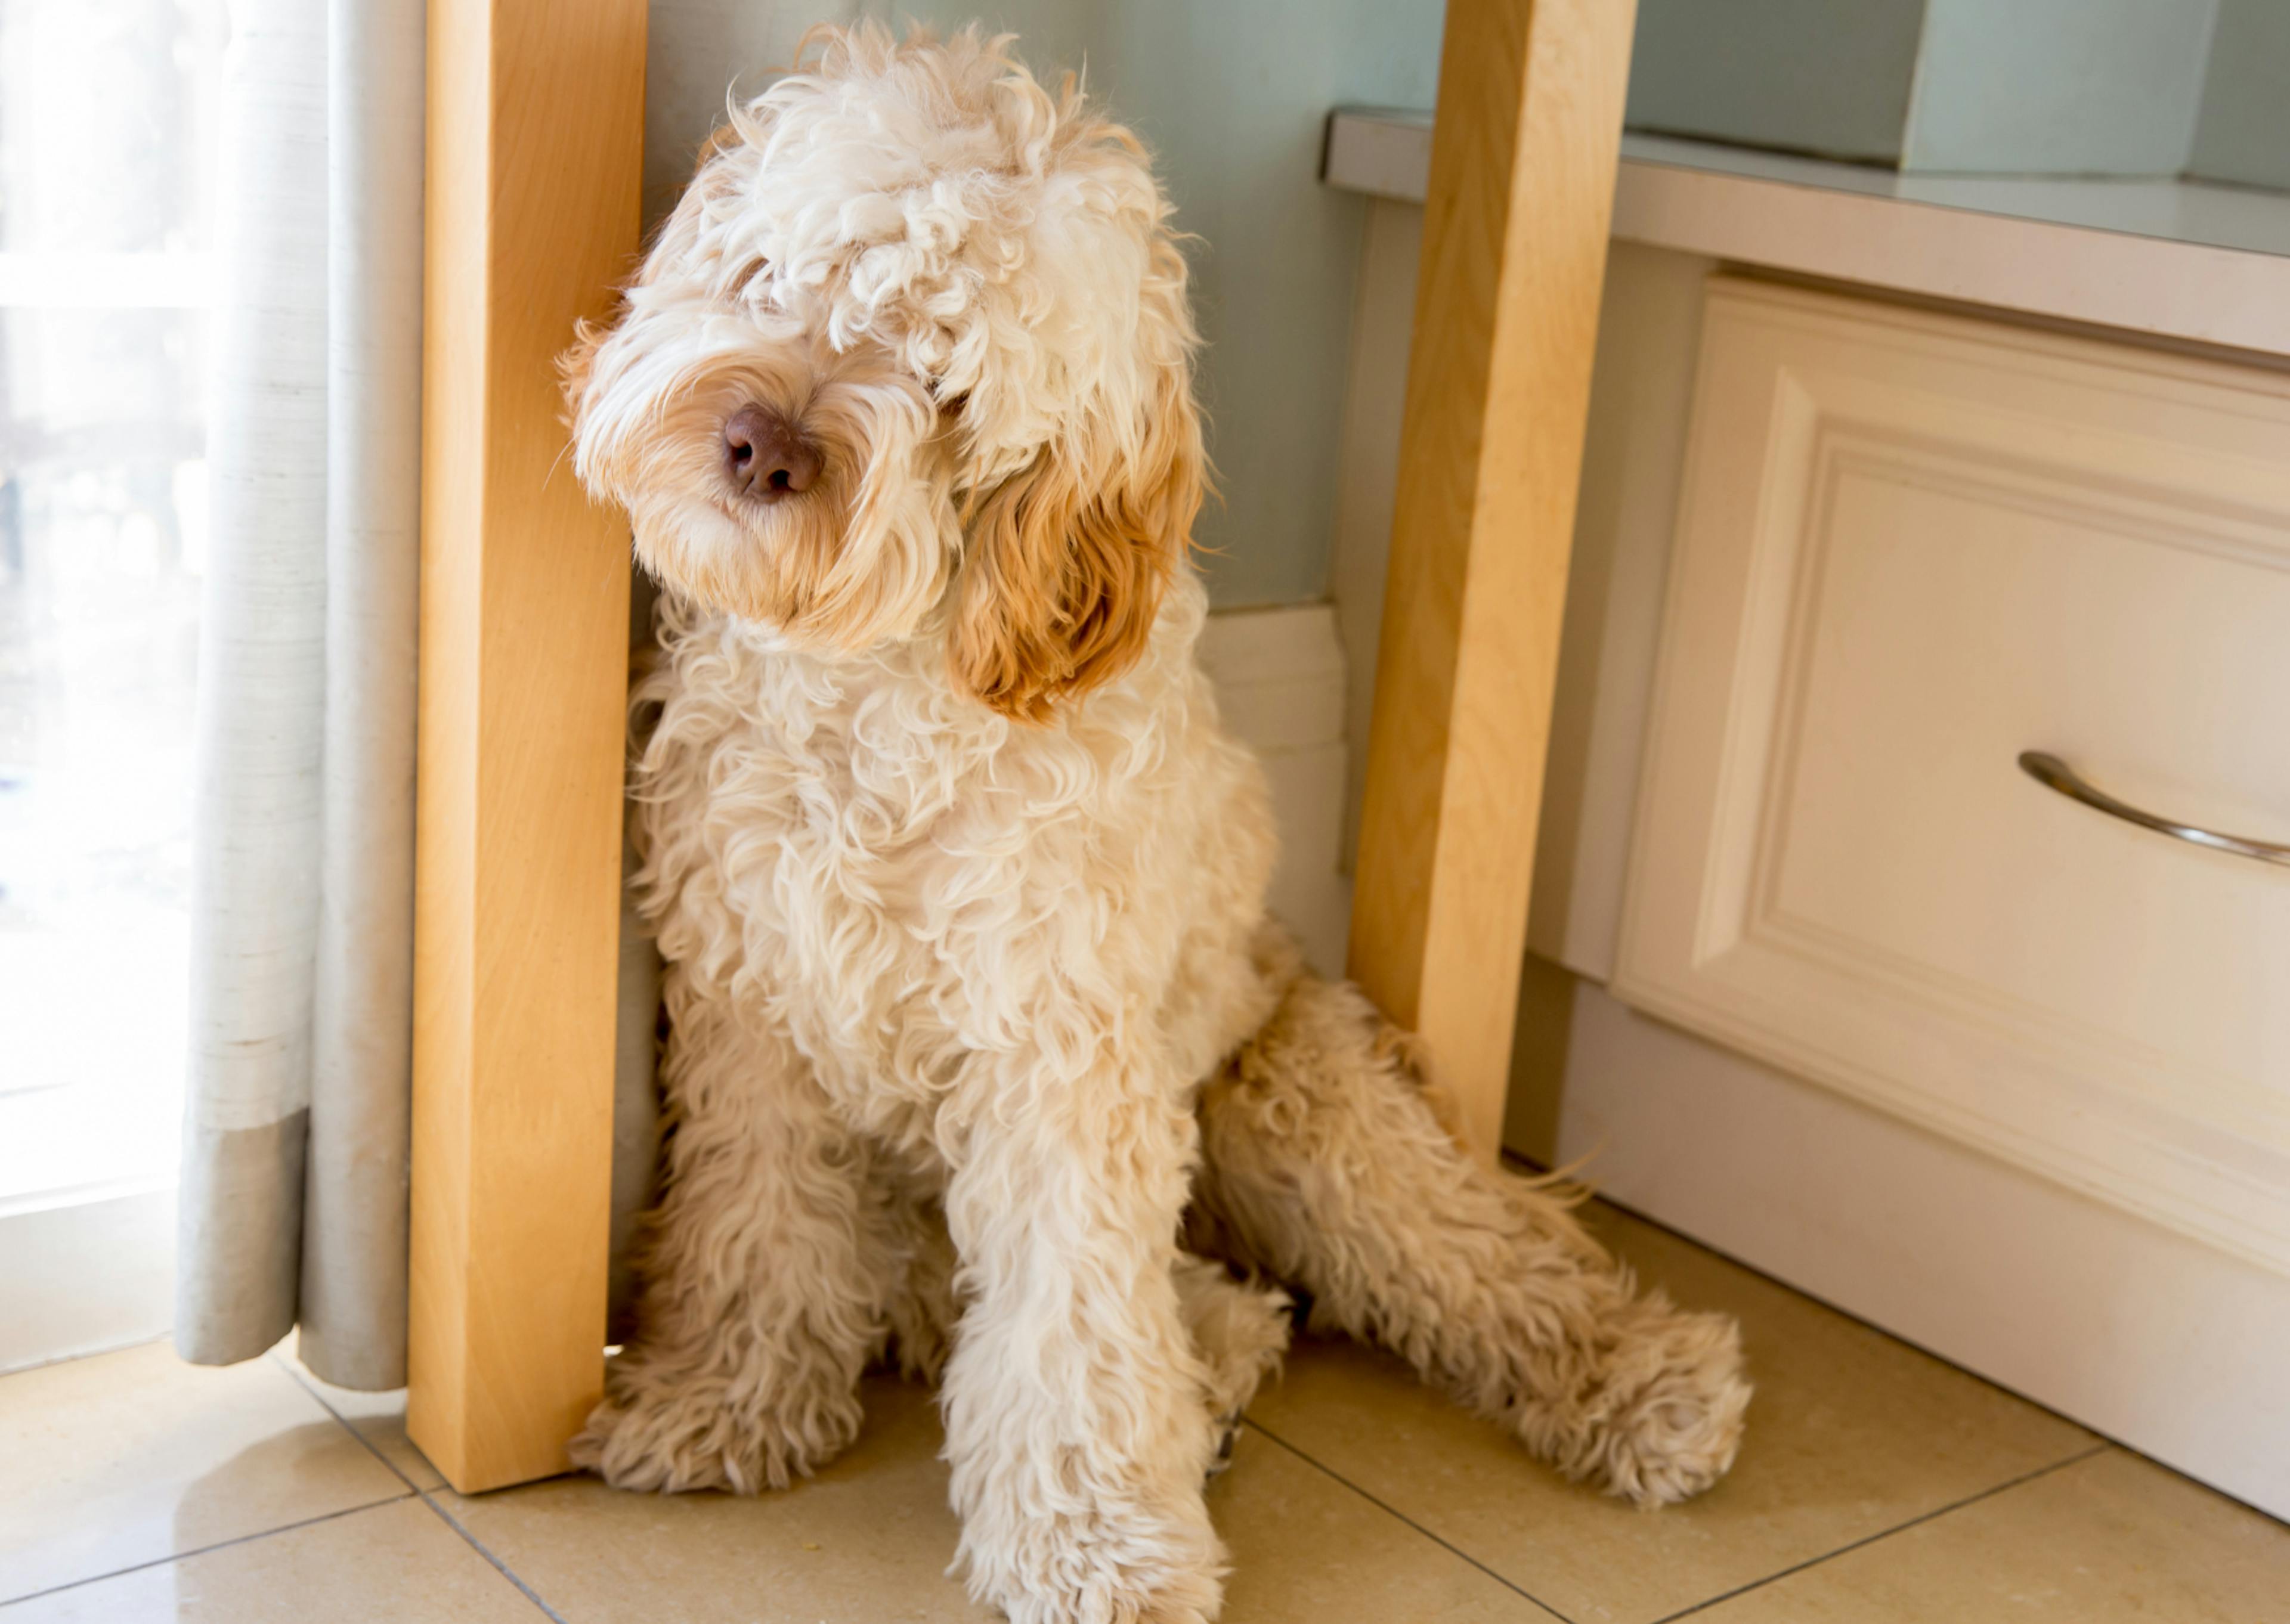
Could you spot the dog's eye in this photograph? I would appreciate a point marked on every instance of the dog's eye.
(951, 405)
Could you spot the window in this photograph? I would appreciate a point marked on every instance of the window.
(108, 124)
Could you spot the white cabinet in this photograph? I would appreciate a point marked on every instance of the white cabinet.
(1911, 1032)
(1910, 548)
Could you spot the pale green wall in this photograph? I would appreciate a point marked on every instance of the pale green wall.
(1830, 77)
(2105, 87)
(1232, 95)
(2245, 134)
(2011, 86)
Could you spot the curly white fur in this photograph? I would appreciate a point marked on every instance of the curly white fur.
(961, 885)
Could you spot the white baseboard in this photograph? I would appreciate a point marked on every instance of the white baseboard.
(1279, 676)
(2150, 1338)
(85, 1276)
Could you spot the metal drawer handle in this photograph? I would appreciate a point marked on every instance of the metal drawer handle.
(2053, 773)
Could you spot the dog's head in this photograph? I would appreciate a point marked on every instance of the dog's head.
(911, 357)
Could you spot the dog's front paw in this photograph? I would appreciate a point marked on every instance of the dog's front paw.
(1666, 1419)
(666, 1434)
(1114, 1565)
(1227, 1441)
(1239, 1330)
(1110, 1596)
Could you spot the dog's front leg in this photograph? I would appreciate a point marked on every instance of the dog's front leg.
(1076, 1411)
(767, 1268)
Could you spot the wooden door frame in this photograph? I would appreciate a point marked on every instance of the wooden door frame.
(535, 146)
(1523, 152)
(535, 153)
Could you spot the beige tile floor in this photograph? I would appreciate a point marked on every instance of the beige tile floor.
(1877, 1486)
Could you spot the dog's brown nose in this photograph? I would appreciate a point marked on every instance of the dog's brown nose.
(765, 457)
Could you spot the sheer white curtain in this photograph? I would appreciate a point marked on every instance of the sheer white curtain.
(295, 1149)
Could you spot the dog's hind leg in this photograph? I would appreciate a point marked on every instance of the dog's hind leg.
(767, 1268)
(1327, 1168)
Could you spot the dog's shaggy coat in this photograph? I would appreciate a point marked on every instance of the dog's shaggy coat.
(960, 885)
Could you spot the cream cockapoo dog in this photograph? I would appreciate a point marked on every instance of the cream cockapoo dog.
(960, 882)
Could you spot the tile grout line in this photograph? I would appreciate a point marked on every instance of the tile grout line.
(51, 1361)
(2100, 1448)
(501, 1567)
(1255, 1426)
(444, 1515)
(365, 1443)
(220, 1545)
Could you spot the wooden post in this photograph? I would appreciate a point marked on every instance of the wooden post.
(1522, 160)
(535, 142)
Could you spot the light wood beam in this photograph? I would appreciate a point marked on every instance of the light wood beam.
(1523, 161)
(535, 142)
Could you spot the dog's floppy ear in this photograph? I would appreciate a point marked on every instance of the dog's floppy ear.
(1066, 561)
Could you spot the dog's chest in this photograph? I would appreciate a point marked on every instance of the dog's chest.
(838, 837)
(903, 881)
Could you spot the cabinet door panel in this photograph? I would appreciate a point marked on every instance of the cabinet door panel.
(1910, 548)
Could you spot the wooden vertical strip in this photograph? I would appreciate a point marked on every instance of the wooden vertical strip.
(535, 138)
(1523, 163)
